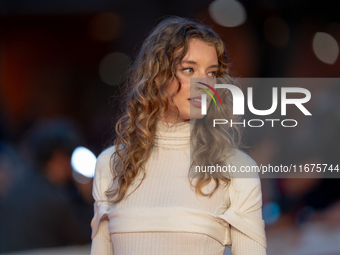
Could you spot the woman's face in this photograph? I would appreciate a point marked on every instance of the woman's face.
(200, 62)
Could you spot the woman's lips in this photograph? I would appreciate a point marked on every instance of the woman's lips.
(195, 103)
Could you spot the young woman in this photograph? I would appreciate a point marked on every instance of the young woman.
(146, 199)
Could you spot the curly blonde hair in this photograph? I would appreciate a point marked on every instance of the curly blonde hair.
(148, 79)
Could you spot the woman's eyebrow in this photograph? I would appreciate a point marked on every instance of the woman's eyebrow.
(189, 62)
(195, 63)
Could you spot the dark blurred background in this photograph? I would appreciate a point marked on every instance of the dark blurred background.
(62, 64)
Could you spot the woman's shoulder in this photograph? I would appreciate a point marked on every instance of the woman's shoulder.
(106, 154)
(239, 157)
(242, 165)
(104, 160)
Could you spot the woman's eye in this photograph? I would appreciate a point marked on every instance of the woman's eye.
(188, 70)
(213, 74)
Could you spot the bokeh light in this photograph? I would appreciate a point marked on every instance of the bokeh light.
(228, 13)
(84, 161)
(325, 47)
(271, 212)
(113, 67)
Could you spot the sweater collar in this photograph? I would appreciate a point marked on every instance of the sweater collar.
(168, 134)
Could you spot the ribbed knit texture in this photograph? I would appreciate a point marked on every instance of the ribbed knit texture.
(166, 185)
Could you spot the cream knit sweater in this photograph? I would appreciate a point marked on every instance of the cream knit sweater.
(164, 216)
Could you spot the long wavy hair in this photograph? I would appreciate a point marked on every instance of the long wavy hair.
(146, 99)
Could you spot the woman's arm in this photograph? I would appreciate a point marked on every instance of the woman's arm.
(101, 240)
(247, 228)
(101, 244)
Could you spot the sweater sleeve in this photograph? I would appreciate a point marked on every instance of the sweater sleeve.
(101, 240)
(247, 228)
(243, 244)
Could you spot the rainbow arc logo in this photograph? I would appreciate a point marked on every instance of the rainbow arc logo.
(204, 99)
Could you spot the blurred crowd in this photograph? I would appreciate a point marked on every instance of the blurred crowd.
(41, 203)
